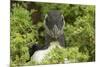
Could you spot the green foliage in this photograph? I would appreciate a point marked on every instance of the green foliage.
(82, 32)
(59, 55)
(79, 33)
(22, 33)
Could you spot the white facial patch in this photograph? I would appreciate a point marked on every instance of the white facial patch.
(55, 32)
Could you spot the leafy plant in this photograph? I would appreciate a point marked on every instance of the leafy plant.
(79, 31)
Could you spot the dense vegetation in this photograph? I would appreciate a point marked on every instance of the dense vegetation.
(27, 28)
